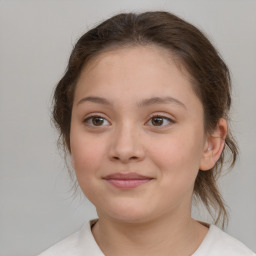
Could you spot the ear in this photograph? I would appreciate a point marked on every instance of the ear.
(214, 145)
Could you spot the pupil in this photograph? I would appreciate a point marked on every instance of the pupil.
(157, 121)
(97, 121)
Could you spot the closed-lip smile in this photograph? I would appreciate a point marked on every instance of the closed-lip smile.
(127, 180)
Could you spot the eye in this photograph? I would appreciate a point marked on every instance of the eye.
(96, 121)
(158, 120)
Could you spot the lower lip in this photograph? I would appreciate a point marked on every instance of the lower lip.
(126, 184)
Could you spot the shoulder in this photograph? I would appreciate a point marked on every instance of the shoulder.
(76, 244)
(219, 243)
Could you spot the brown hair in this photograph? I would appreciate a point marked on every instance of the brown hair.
(211, 80)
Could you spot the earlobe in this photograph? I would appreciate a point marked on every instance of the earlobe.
(214, 146)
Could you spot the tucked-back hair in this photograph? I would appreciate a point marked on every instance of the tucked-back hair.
(210, 80)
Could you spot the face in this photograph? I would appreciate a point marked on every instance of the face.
(137, 134)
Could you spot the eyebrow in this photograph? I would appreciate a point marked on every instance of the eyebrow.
(143, 103)
(160, 100)
(93, 99)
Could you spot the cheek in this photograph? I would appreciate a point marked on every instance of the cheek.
(178, 156)
(87, 155)
(178, 148)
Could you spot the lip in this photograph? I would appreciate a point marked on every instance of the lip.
(127, 180)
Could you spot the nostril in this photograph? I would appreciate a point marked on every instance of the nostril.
(129, 158)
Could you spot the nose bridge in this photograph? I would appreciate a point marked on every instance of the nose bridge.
(126, 144)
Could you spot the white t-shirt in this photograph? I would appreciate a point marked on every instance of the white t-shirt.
(82, 243)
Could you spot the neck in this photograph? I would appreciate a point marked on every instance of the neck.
(162, 236)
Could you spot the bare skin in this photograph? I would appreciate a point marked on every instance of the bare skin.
(164, 237)
(135, 111)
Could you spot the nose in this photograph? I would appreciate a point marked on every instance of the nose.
(126, 145)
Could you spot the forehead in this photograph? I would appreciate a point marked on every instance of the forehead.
(135, 71)
(133, 54)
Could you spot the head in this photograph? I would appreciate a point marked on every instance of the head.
(192, 54)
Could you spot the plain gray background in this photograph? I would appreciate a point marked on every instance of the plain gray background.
(36, 37)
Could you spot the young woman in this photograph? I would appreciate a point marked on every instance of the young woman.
(143, 111)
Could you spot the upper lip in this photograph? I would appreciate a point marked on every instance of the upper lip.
(126, 176)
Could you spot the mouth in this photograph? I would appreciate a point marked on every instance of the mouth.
(127, 181)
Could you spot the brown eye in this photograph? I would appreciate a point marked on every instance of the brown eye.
(96, 121)
(157, 121)
(160, 121)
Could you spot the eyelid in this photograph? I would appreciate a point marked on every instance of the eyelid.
(93, 115)
(90, 116)
(171, 120)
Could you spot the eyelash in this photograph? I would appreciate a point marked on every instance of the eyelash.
(90, 118)
(171, 121)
